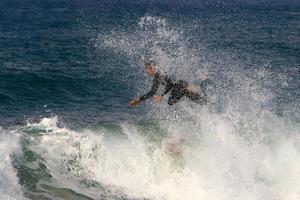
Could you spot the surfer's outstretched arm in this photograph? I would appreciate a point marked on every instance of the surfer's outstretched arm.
(149, 94)
(153, 90)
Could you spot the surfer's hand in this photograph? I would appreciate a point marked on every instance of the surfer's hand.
(158, 98)
(134, 102)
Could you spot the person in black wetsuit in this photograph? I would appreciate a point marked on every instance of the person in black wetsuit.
(178, 89)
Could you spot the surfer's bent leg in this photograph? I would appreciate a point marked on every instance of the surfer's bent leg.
(196, 97)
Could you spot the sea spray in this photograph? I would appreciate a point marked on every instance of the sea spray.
(243, 145)
(9, 182)
(219, 164)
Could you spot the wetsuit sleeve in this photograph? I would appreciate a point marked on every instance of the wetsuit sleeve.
(153, 90)
(168, 86)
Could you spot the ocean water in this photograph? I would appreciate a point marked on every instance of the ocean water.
(69, 68)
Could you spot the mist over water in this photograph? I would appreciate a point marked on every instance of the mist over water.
(68, 132)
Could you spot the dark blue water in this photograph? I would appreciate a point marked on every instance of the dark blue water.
(49, 63)
(77, 64)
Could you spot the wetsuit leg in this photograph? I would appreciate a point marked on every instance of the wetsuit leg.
(196, 97)
(177, 92)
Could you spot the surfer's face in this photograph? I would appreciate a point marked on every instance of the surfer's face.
(150, 70)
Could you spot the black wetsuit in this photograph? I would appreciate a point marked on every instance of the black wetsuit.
(178, 90)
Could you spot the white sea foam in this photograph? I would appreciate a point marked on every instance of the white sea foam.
(216, 162)
(9, 186)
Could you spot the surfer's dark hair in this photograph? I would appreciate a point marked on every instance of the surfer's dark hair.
(148, 63)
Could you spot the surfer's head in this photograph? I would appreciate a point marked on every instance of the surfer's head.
(150, 68)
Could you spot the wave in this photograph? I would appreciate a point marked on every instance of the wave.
(9, 185)
(209, 160)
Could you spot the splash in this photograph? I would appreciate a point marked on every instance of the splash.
(215, 161)
(9, 186)
(153, 38)
(170, 46)
(235, 148)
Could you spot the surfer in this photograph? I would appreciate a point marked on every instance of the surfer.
(178, 89)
